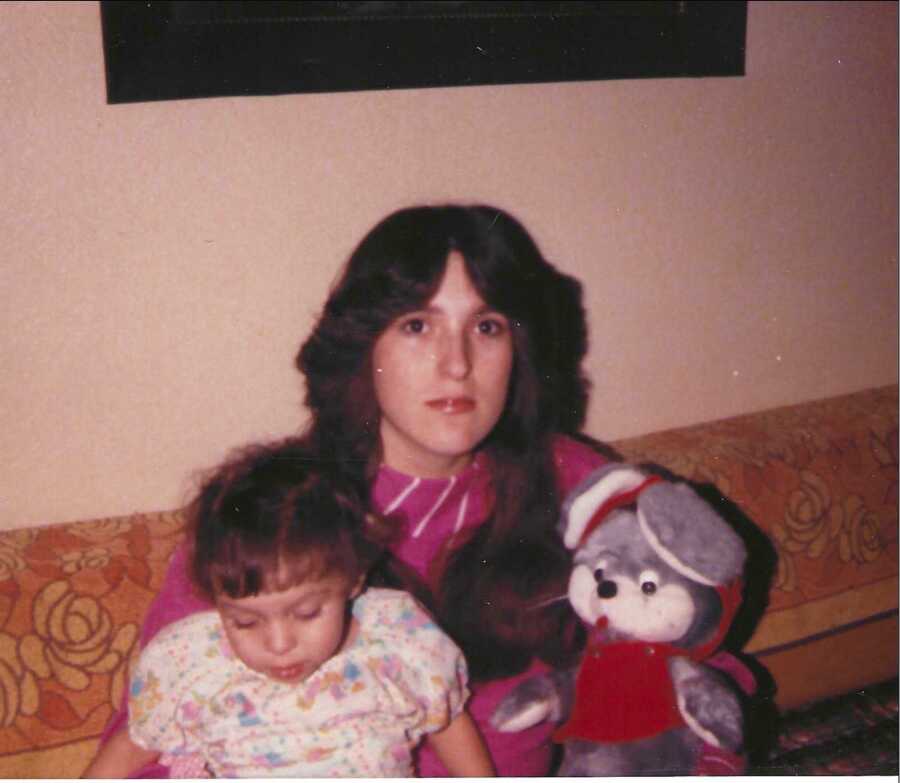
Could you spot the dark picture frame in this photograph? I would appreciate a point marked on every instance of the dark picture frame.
(175, 50)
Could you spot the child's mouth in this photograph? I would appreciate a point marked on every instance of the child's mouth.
(289, 673)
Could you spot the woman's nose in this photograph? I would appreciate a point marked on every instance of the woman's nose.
(455, 360)
(280, 639)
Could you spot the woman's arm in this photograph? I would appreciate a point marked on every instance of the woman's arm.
(119, 758)
(461, 749)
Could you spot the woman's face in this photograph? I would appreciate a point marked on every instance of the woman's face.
(441, 376)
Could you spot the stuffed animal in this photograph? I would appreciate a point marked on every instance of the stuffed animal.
(657, 576)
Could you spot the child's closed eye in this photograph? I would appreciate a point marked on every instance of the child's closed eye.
(307, 613)
(241, 623)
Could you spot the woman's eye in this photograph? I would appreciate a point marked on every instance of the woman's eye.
(491, 326)
(413, 326)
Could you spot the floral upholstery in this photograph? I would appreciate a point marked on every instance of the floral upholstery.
(71, 602)
(819, 478)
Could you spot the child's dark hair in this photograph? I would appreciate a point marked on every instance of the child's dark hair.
(275, 515)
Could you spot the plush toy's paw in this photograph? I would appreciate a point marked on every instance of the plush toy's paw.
(708, 705)
(528, 704)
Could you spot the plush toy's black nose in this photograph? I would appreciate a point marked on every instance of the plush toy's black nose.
(607, 589)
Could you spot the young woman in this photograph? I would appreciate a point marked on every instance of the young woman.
(298, 671)
(444, 374)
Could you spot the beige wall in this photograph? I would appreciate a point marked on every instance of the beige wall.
(161, 261)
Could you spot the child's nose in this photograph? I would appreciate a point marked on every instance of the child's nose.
(280, 638)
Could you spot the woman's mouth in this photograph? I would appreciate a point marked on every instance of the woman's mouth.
(452, 404)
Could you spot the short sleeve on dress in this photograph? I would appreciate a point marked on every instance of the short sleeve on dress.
(445, 693)
(434, 669)
(158, 707)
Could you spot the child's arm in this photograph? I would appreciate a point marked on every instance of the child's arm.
(119, 757)
(461, 749)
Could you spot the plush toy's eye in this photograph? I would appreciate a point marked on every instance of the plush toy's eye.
(648, 581)
(598, 575)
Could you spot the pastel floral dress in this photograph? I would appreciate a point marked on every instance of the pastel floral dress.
(359, 715)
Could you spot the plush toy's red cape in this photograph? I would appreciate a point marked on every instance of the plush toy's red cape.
(624, 692)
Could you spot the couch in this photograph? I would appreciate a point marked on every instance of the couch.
(819, 480)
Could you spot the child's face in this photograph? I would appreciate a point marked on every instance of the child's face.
(289, 634)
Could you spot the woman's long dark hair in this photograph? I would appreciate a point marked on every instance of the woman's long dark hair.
(515, 559)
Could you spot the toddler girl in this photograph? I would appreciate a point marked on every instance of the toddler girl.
(298, 671)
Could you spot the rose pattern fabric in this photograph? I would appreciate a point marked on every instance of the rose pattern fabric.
(18, 687)
(75, 638)
(71, 602)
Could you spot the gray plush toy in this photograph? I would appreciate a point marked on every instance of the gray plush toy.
(657, 575)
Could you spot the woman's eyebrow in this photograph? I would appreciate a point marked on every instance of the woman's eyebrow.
(431, 309)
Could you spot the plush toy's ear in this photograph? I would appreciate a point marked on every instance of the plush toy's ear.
(593, 494)
(689, 535)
